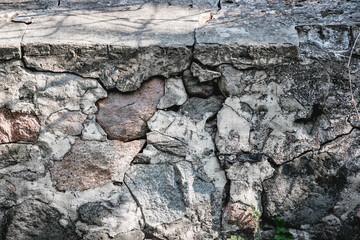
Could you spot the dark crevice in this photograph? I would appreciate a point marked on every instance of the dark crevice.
(334, 139)
(217, 91)
(271, 161)
(225, 201)
(174, 108)
(317, 110)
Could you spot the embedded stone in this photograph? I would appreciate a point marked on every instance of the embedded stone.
(93, 131)
(111, 218)
(16, 127)
(156, 190)
(233, 132)
(175, 94)
(204, 75)
(196, 88)
(124, 116)
(33, 219)
(66, 122)
(200, 108)
(91, 163)
(305, 189)
(236, 216)
(246, 181)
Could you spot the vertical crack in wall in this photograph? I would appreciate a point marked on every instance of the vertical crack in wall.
(137, 203)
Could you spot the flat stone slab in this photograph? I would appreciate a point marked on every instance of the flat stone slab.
(131, 25)
(246, 37)
(11, 35)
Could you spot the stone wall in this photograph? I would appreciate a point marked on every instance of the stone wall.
(169, 119)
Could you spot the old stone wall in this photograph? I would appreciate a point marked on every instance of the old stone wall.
(138, 119)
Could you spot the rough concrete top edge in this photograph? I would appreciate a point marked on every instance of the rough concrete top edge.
(172, 23)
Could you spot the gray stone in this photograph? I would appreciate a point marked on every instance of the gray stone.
(260, 41)
(204, 75)
(195, 88)
(333, 12)
(156, 190)
(33, 219)
(200, 178)
(133, 235)
(330, 38)
(175, 94)
(246, 181)
(92, 131)
(11, 33)
(21, 5)
(167, 143)
(114, 218)
(199, 108)
(66, 122)
(57, 145)
(304, 190)
(234, 82)
(152, 155)
(18, 87)
(264, 117)
(7, 194)
(67, 91)
(17, 153)
(233, 131)
(93, 4)
(47, 93)
(172, 129)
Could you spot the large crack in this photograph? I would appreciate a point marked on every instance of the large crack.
(136, 200)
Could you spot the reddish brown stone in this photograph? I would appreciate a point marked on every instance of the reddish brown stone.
(235, 214)
(91, 163)
(123, 116)
(18, 127)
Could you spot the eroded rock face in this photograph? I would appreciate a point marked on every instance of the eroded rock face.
(180, 159)
(66, 122)
(124, 116)
(16, 127)
(156, 189)
(25, 161)
(91, 163)
(195, 88)
(117, 218)
(204, 75)
(33, 219)
(246, 181)
(175, 94)
(305, 189)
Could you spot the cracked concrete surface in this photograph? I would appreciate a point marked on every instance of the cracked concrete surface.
(257, 112)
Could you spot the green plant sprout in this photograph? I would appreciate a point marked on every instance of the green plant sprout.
(256, 214)
(281, 232)
(234, 237)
